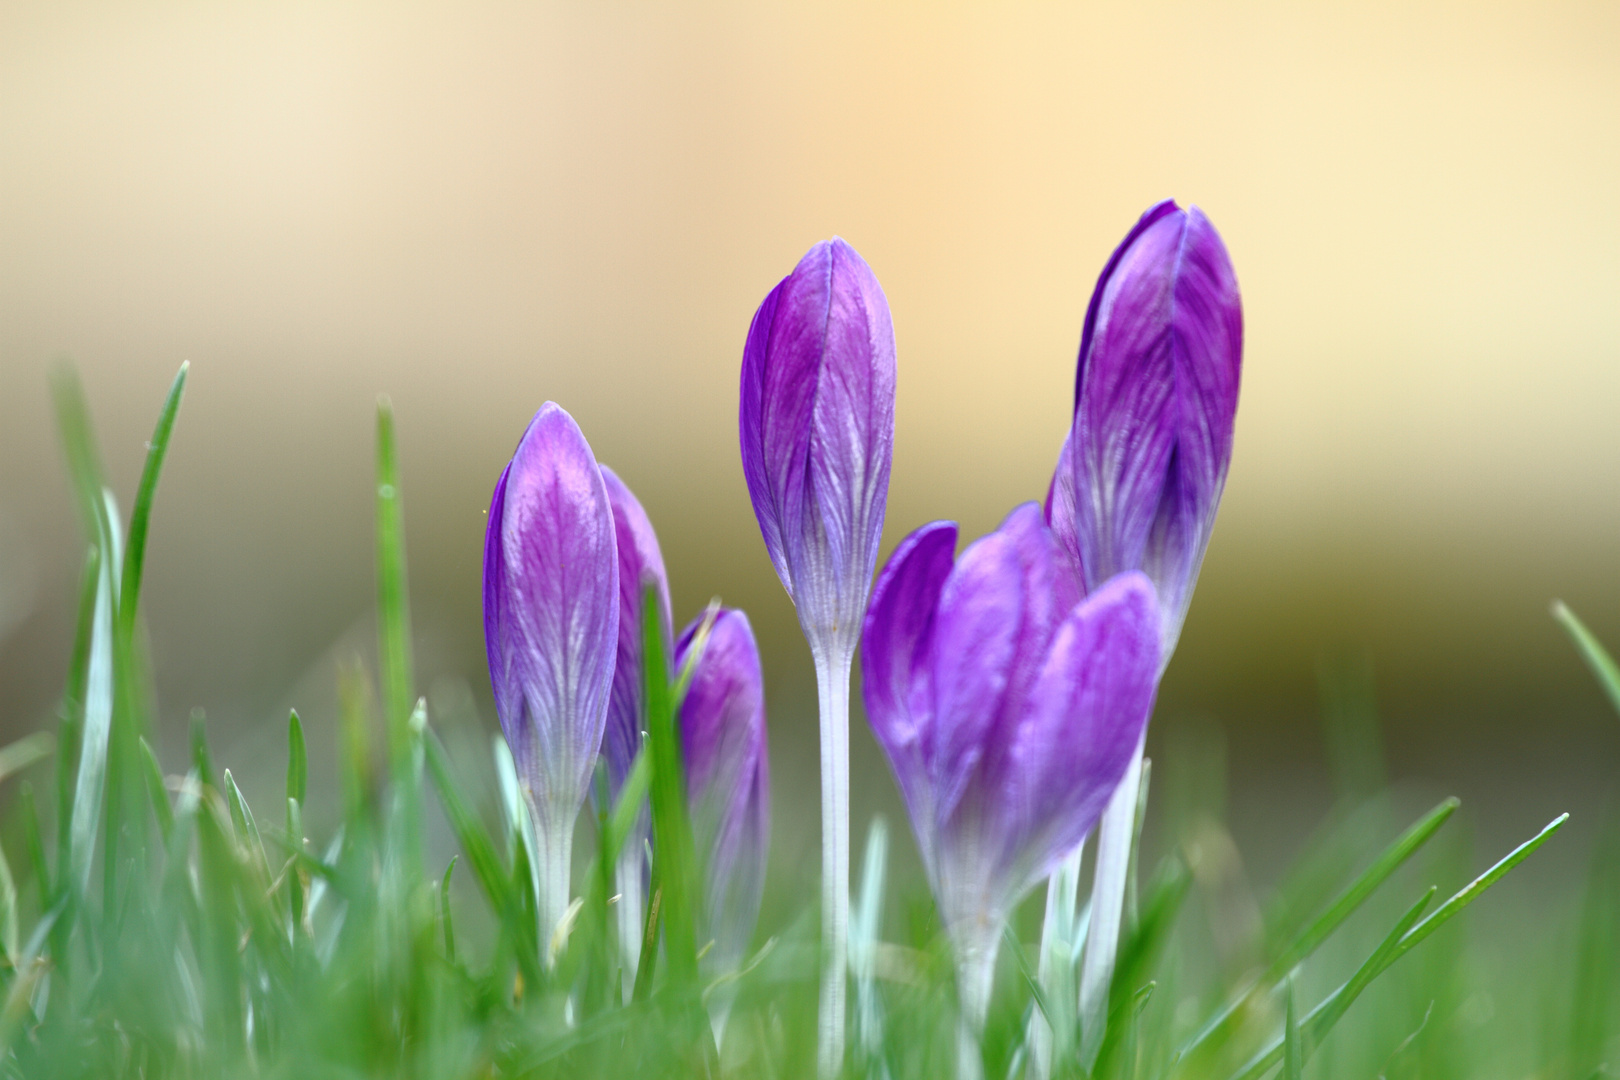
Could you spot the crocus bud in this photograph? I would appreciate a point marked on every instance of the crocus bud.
(641, 565)
(817, 430)
(722, 723)
(1156, 388)
(1009, 709)
(551, 625)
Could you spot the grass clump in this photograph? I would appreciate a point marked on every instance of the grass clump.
(156, 925)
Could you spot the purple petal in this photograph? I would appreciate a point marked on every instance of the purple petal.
(816, 425)
(722, 722)
(641, 564)
(1156, 394)
(1081, 725)
(896, 656)
(997, 614)
(551, 594)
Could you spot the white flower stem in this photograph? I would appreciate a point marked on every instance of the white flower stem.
(832, 691)
(975, 974)
(627, 878)
(555, 857)
(1114, 836)
(1056, 967)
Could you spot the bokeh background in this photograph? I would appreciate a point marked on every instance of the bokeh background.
(477, 207)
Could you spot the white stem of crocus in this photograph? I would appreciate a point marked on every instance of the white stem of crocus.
(627, 879)
(555, 856)
(832, 691)
(1114, 834)
(975, 973)
(1056, 968)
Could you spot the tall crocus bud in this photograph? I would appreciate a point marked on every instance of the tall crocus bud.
(1009, 708)
(722, 724)
(1140, 476)
(1156, 389)
(641, 565)
(817, 431)
(551, 625)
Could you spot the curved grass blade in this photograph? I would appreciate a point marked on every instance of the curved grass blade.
(141, 512)
(155, 791)
(469, 829)
(444, 911)
(1592, 651)
(297, 759)
(1320, 929)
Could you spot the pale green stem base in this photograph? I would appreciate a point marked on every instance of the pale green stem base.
(554, 861)
(1056, 968)
(975, 973)
(1114, 835)
(627, 879)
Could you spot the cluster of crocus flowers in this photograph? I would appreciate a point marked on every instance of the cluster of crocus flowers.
(570, 559)
(1010, 687)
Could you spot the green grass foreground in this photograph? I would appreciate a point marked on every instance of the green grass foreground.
(157, 926)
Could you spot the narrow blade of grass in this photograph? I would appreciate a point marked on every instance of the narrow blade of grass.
(444, 911)
(297, 759)
(141, 512)
(1293, 1048)
(673, 845)
(470, 832)
(1592, 651)
(1322, 927)
(155, 791)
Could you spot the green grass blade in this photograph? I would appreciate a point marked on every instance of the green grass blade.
(297, 759)
(17, 756)
(8, 909)
(79, 444)
(469, 829)
(1387, 862)
(34, 838)
(1293, 1048)
(246, 828)
(393, 603)
(155, 791)
(90, 782)
(1021, 959)
(1322, 927)
(141, 512)
(444, 911)
(1327, 1013)
(632, 794)
(1474, 889)
(672, 836)
(1592, 651)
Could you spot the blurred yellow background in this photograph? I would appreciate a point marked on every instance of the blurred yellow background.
(477, 207)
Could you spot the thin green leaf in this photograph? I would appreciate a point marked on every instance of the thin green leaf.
(90, 783)
(155, 791)
(8, 909)
(469, 829)
(1021, 959)
(141, 513)
(393, 604)
(297, 759)
(1322, 927)
(1327, 1013)
(247, 830)
(1387, 862)
(672, 836)
(24, 752)
(34, 838)
(1592, 651)
(444, 911)
(1293, 1048)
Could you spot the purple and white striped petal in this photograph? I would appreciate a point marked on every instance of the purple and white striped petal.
(816, 424)
(641, 564)
(1156, 385)
(722, 726)
(551, 611)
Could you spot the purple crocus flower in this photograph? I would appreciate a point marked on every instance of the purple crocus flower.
(1140, 475)
(1156, 387)
(722, 725)
(1009, 708)
(641, 565)
(551, 625)
(817, 429)
(816, 422)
